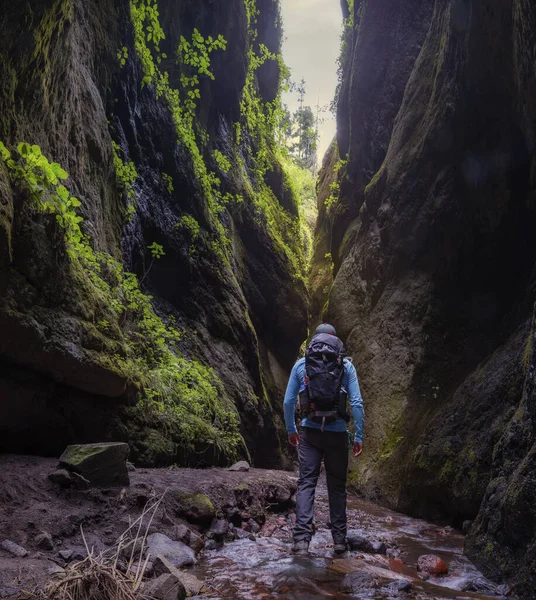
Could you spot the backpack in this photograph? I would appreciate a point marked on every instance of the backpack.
(322, 398)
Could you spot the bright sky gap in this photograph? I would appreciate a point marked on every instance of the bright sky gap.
(311, 47)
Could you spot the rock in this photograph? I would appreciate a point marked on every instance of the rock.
(181, 533)
(278, 494)
(213, 545)
(101, 464)
(196, 508)
(44, 541)
(131, 548)
(399, 586)
(131, 468)
(191, 583)
(392, 553)
(241, 534)
(14, 549)
(240, 466)
(65, 554)
(164, 587)
(55, 570)
(432, 564)
(61, 477)
(379, 547)
(466, 526)
(358, 581)
(149, 568)
(254, 526)
(479, 584)
(219, 527)
(358, 541)
(196, 542)
(178, 554)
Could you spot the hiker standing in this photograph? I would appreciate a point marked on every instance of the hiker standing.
(323, 381)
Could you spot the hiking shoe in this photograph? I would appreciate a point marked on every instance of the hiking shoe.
(300, 547)
(339, 548)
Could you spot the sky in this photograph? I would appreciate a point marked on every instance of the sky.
(311, 46)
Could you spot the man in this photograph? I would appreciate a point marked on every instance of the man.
(322, 437)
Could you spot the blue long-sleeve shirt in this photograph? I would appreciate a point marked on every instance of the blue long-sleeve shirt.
(349, 383)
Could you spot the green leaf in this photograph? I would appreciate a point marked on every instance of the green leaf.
(75, 202)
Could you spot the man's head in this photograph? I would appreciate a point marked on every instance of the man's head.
(325, 328)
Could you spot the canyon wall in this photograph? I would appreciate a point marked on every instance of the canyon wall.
(163, 119)
(429, 232)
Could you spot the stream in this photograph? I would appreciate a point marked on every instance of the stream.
(265, 569)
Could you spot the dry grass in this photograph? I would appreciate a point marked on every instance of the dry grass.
(110, 575)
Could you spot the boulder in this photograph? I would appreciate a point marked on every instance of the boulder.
(358, 581)
(14, 549)
(103, 465)
(195, 508)
(177, 553)
(432, 564)
(191, 583)
(165, 587)
(240, 466)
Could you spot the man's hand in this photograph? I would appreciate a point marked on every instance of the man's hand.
(358, 448)
(293, 439)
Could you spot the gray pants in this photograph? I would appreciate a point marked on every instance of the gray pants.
(333, 447)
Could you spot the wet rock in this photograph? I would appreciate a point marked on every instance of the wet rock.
(241, 534)
(14, 549)
(357, 540)
(61, 477)
(164, 587)
(100, 464)
(219, 527)
(432, 565)
(44, 541)
(195, 508)
(466, 526)
(190, 582)
(181, 533)
(213, 545)
(478, 584)
(178, 554)
(240, 466)
(357, 581)
(196, 542)
(396, 587)
(393, 553)
(65, 554)
(254, 526)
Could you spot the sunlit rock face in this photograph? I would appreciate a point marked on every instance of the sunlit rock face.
(433, 248)
(71, 83)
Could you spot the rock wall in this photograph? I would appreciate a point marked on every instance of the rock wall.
(433, 246)
(94, 88)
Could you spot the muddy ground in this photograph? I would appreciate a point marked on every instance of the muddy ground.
(257, 508)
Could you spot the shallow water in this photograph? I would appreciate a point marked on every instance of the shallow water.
(265, 568)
